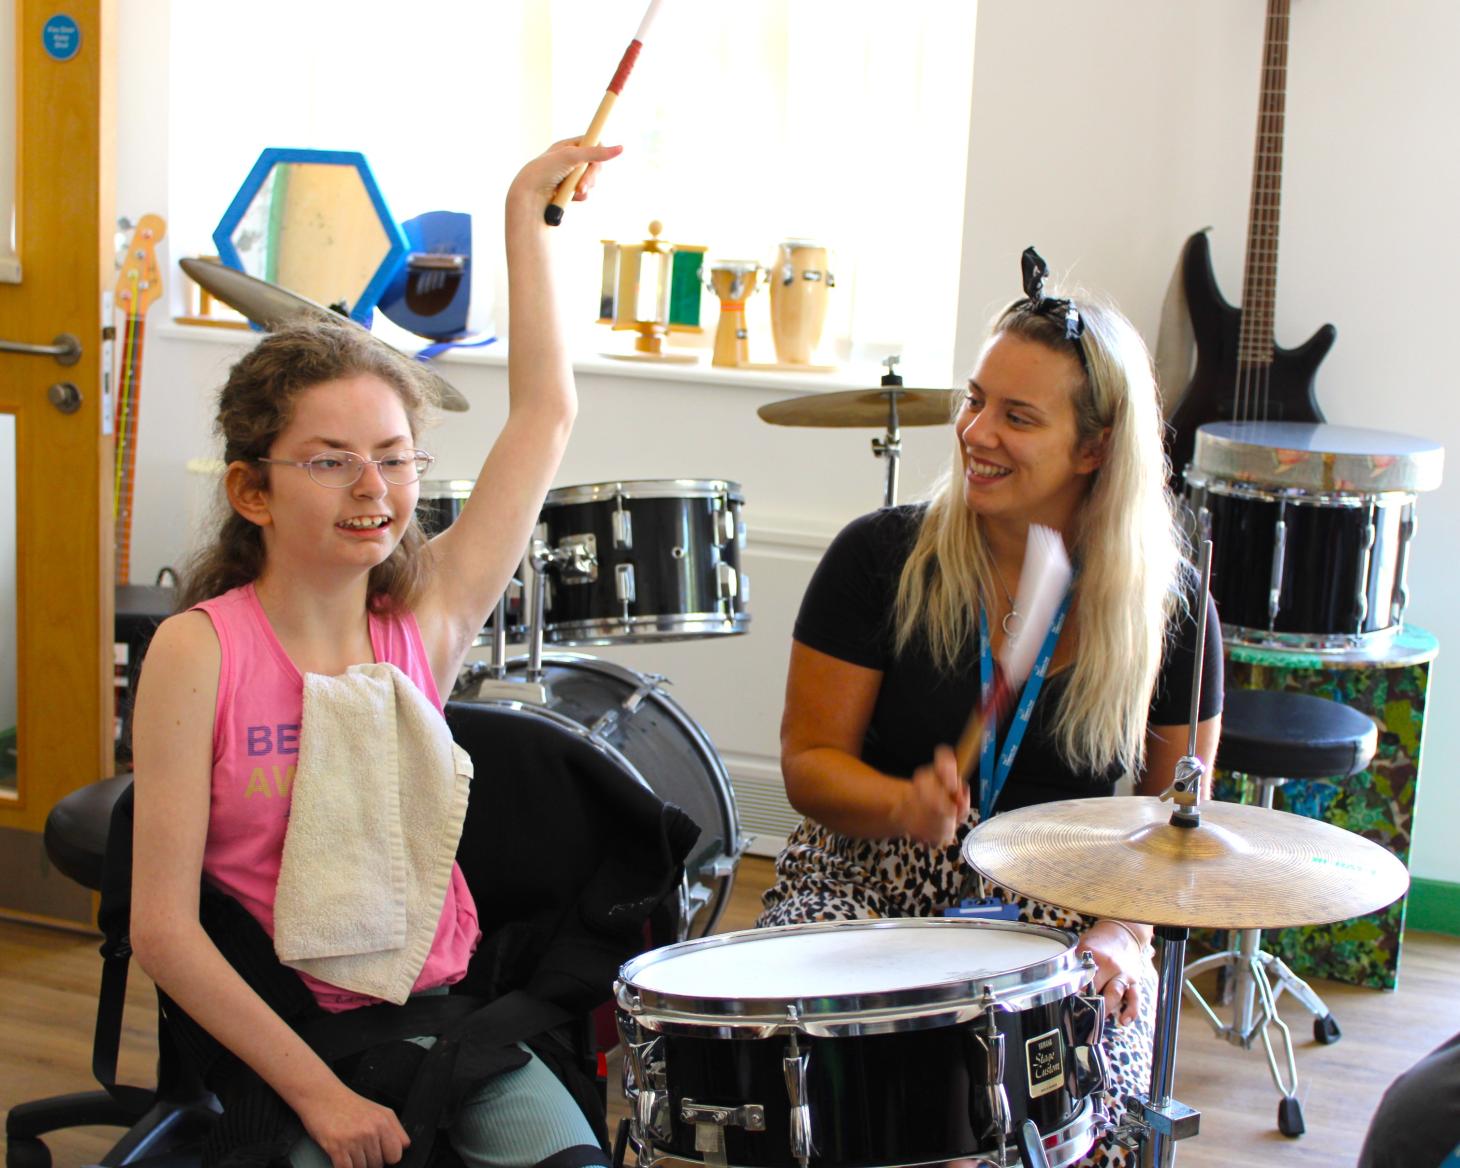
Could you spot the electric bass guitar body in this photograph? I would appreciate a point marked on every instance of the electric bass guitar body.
(1227, 386)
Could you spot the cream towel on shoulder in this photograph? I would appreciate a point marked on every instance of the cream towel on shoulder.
(378, 804)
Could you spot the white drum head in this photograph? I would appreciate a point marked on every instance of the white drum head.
(801, 962)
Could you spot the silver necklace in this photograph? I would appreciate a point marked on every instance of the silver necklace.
(1012, 619)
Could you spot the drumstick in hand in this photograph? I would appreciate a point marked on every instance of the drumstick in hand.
(554, 211)
(1043, 582)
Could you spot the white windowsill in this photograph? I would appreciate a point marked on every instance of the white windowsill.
(702, 372)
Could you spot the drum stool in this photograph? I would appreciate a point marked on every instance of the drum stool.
(1273, 738)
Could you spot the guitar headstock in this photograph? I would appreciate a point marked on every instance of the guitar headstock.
(139, 283)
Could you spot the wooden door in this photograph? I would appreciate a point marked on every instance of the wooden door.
(63, 461)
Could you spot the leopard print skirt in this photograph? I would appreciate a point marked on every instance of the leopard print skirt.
(823, 876)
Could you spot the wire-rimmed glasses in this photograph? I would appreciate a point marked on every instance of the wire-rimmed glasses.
(343, 468)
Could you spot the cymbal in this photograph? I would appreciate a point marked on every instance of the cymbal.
(1244, 867)
(271, 307)
(863, 407)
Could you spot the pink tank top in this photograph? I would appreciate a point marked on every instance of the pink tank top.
(255, 749)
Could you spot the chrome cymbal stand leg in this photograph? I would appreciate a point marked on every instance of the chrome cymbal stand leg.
(1166, 1120)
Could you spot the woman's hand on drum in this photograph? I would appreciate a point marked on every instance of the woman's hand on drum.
(934, 802)
(1119, 963)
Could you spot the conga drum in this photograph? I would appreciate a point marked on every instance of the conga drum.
(800, 281)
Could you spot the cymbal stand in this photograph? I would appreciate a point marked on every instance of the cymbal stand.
(889, 446)
(1155, 1120)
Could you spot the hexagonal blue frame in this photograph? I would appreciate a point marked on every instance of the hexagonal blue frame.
(395, 237)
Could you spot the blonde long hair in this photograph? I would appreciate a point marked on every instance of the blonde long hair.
(1126, 543)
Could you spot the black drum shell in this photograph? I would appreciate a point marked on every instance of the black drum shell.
(902, 1098)
(1327, 558)
(679, 541)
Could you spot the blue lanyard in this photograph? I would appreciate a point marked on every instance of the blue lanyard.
(991, 779)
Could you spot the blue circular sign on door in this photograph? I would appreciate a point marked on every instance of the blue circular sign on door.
(61, 37)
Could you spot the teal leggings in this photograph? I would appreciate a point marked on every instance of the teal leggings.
(515, 1120)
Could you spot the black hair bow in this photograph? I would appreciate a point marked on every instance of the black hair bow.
(1035, 270)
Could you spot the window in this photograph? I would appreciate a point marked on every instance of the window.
(746, 123)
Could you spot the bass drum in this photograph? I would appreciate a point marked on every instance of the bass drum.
(628, 716)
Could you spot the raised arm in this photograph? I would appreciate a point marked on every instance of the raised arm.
(478, 553)
(829, 703)
(173, 740)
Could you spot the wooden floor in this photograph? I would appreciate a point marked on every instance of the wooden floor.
(48, 983)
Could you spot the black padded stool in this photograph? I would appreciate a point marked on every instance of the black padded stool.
(1275, 738)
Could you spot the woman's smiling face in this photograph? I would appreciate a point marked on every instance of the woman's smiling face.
(1017, 435)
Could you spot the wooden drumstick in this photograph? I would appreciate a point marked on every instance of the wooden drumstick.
(566, 189)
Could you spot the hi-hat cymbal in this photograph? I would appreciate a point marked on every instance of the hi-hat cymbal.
(1244, 867)
(863, 407)
(271, 307)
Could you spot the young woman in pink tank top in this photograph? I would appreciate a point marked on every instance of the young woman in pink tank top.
(319, 565)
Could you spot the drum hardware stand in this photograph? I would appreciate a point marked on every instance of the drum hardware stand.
(574, 558)
(890, 446)
(1155, 1121)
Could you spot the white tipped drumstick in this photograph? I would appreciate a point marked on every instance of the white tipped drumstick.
(1043, 582)
(554, 211)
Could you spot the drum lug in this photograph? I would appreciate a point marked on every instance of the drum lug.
(646, 1088)
(1084, 1026)
(1407, 527)
(623, 582)
(727, 581)
(1279, 556)
(623, 528)
(986, 1069)
(1361, 587)
(794, 1067)
(725, 527)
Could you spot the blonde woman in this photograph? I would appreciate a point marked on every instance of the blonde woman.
(1060, 426)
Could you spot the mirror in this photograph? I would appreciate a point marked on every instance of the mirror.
(314, 222)
(9, 623)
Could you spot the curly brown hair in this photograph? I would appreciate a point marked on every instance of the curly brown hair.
(256, 404)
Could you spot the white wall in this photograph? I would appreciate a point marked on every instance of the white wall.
(1103, 133)
(1106, 133)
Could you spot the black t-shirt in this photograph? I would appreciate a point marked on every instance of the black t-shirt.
(847, 613)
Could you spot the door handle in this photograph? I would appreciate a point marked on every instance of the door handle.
(66, 349)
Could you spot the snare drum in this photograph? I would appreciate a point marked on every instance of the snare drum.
(800, 282)
(629, 718)
(861, 1043)
(1310, 528)
(647, 560)
(440, 502)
